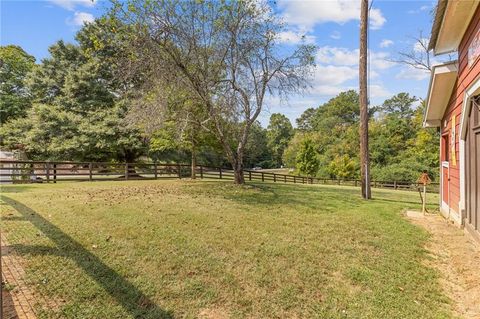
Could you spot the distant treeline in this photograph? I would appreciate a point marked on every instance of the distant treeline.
(82, 103)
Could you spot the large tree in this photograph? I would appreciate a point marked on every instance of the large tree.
(279, 133)
(15, 64)
(225, 52)
(79, 105)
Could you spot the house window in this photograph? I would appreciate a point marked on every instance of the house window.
(445, 147)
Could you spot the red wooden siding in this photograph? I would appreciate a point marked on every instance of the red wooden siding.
(466, 76)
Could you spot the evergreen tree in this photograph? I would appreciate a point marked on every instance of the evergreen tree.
(15, 99)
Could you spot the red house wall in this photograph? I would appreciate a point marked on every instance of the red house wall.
(466, 76)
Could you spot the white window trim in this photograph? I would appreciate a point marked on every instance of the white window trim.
(471, 91)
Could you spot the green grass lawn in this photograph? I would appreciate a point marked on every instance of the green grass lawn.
(187, 249)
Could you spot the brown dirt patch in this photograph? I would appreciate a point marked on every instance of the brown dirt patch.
(213, 313)
(457, 256)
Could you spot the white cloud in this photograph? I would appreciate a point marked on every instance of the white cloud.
(377, 20)
(422, 8)
(343, 56)
(71, 4)
(335, 35)
(337, 56)
(328, 90)
(337, 71)
(380, 60)
(292, 37)
(411, 73)
(334, 75)
(80, 18)
(386, 43)
(306, 14)
(377, 91)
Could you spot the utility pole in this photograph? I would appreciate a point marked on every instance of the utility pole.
(364, 156)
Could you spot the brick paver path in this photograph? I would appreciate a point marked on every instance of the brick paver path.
(17, 297)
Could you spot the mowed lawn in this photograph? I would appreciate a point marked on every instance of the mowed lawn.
(209, 249)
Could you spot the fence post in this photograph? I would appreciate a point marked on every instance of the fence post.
(47, 171)
(179, 171)
(126, 171)
(249, 175)
(274, 178)
(356, 183)
(90, 177)
(155, 174)
(284, 178)
(220, 171)
(375, 184)
(201, 172)
(394, 184)
(54, 172)
(263, 177)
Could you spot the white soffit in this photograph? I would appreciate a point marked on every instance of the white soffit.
(440, 89)
(457, 17)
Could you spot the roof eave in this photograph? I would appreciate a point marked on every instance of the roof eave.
(442, 69)
(437, 23)
(452, 19)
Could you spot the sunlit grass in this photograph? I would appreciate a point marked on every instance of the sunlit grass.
(153, 249)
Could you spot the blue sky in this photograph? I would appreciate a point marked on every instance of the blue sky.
(331, 24)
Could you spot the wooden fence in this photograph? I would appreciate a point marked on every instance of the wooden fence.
(50, 171)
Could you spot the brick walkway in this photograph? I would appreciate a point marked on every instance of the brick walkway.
(17, 298)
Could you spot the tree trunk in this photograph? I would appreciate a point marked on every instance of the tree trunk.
(364, 156)
(238, 172)
(129, 159)
(194, 160)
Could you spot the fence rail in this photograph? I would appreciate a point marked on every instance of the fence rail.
(50, 171)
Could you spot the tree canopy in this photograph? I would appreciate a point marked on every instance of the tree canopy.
(225, 52)
(15, 64)
(186, 81)
(400, 148)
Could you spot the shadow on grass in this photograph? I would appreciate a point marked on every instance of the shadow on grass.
(300, 195)
(319, 197)
(134, 301)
